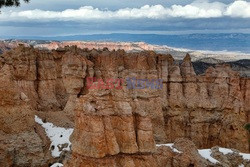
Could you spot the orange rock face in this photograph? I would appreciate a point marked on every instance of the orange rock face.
(127, 46)
(105, 128)
(119, 127)
(20, 145)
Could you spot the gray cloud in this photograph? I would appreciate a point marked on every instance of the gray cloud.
(170, 26)
(195, 10)
(167, 18)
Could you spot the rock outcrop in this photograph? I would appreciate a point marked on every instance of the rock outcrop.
(20, 144)
(107, 126)
(118, 126)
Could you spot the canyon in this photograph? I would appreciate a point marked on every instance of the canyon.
(177, 53)
(201, 60)
(120, 127)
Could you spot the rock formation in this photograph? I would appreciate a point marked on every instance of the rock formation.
(107, 125)
(118, 126)
(20, 143)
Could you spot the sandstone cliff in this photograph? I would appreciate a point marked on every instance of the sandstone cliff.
(209, 109)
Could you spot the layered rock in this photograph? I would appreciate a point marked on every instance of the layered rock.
(209, 109)
(20, 144)
(205, 108)
(109, 131)
(47, 78)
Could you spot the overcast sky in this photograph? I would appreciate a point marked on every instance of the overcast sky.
(64, 17)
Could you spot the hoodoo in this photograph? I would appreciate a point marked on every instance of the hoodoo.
(120, 127)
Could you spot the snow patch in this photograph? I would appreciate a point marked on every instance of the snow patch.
(171, 146)
(57, 165)
(245, 156)
(225, 151)
(58, 136)
(206, 153)
(241, 165)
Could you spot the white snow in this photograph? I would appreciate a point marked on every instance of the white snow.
(57, 135)
(171, 146)
(225, 151)
(206, 153)
(228, 151)
(245, 156)
(57, 165)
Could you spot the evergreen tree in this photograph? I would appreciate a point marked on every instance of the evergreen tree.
(9, 3)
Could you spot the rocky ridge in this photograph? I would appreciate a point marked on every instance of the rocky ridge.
(201, 60)
(118, 126)
(177, 53)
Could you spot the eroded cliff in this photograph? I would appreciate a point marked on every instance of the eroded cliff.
(209, 109)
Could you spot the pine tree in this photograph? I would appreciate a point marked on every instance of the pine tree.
(9, 3)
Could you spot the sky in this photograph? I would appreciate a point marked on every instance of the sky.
(81, 17)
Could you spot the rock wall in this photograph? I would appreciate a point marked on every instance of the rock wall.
(209, 109)
(111, 131)
(20, 143)
(106, 126)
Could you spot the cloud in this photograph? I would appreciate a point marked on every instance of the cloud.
(195, 10)
(239, 9)
(198, 9)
